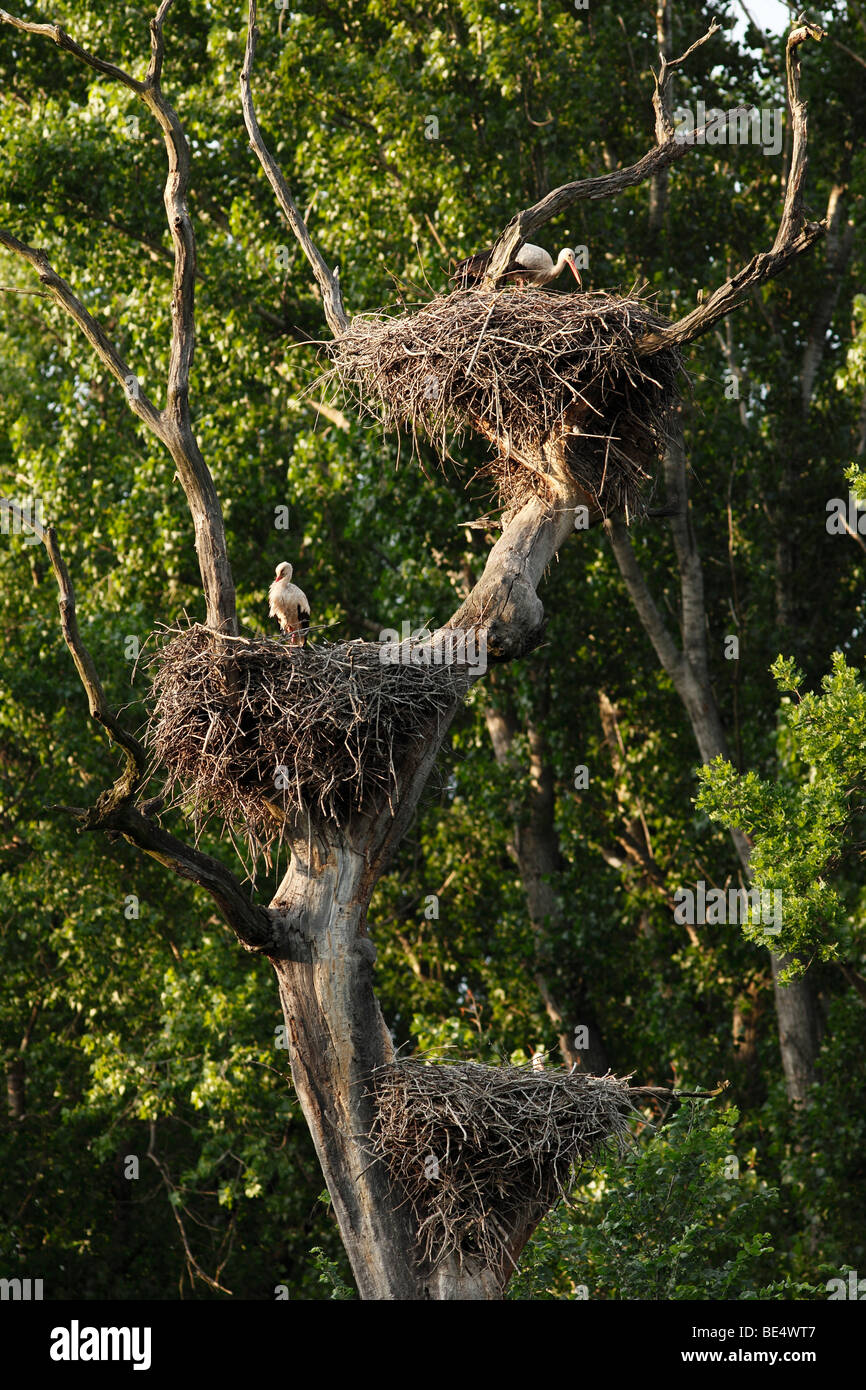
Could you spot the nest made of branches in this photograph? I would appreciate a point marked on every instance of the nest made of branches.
(473, 1146)
(553, 380)
(263, 733)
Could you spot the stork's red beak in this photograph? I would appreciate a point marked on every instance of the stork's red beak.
(576, 273)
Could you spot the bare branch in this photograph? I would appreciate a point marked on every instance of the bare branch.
(157, 45)
(668, 66)
(584, 190)
(182, 235)
(607, 185)
(793, 237)
(661, 95)
(257, 928)
(62, 294)
(173, 425)
(99, 709)
(62, 39)
(97, 703)
(328, 281)
(792, 212)
(13, 289)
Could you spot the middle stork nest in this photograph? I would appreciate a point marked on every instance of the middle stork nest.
(554, 381)
(265, 734)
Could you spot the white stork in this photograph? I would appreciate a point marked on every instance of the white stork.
(531, 266)
(289, 606)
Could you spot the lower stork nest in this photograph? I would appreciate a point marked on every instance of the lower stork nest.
(264, 733)
(554, 381)
(476, 1147)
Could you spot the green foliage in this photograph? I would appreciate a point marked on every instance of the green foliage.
(807, 823)
(681, 1216)
(153, 1037)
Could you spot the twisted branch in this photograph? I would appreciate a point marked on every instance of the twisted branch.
(328, 281)
(794, 236)
(173, 425)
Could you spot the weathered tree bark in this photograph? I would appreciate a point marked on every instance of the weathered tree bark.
(336, 1033)
(337, 1037)
(658, 188)
(173, 424)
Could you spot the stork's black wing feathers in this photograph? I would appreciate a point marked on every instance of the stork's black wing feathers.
(473, 269)
(470, 271)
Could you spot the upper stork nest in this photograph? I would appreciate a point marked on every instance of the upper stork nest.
(474, 1147)
(264, 733)
(553, 380)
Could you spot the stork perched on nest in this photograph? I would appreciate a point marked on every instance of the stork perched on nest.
(289, 606)
(531, 266)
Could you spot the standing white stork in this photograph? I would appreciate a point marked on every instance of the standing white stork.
(289, 606)
(531, 266)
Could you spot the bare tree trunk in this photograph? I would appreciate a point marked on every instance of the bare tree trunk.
(315, 930)
(658, 188)
(537, 853)
(796, 1005)
(336, 1038)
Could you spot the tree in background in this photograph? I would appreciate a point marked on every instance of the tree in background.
(634, 815)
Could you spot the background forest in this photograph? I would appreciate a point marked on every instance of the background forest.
(529, 900)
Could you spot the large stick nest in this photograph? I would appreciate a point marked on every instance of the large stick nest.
(262, 733)
(475, 1147)
(553, 380)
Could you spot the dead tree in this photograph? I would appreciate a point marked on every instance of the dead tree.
(314, 931)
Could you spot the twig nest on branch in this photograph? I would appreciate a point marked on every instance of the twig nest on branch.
(262, 732)
(475, 1147)
(554, 381)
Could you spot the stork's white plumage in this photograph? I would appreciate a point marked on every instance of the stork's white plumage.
(288, 604)
(531, 266)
